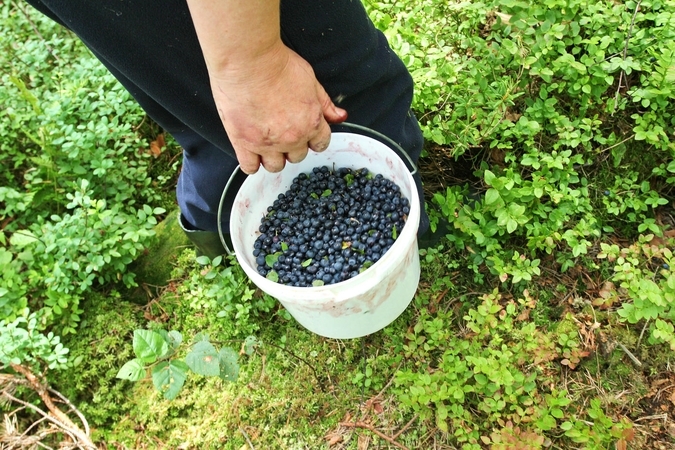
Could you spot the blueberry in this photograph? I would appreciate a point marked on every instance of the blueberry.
(305, 223)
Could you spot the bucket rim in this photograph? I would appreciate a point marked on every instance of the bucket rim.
(404, 238)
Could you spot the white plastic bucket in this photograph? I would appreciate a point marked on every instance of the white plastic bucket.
(361, 305)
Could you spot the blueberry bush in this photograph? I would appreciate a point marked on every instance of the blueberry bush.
(77, 203)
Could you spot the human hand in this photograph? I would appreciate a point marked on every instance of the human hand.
(274, 109)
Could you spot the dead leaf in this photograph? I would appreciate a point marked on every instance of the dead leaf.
(157, 145)
(672, 397)
(506, 18)
(498, 156)
(607, 290)
(334, 439)
(525, 315)
(512, 116)
(363, 442)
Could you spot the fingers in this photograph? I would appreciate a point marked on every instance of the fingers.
(274, 162)
(332, 113)
(321, 140)
(249, 162)
(296, 157)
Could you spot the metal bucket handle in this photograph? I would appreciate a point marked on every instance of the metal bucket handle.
(395, 146)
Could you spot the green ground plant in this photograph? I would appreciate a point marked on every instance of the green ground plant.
(76, 197)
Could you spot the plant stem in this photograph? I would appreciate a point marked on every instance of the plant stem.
(625, 54)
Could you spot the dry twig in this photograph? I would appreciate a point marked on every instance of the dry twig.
(248, 440)
(367, 426)
(81, 439)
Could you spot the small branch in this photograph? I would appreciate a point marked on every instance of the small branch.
(386, 386)
(241, 430)
(405, 427)
(72, 408)
(663, 417)
(44, 41)
(369, 427)
(617, 144)
(47, 416)
(630, 355)
(63, 419)
(625, 54)
(316, 375)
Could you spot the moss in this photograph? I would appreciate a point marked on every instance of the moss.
(154, 267)
(100, 347)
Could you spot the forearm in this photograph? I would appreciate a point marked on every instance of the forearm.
(232, 33)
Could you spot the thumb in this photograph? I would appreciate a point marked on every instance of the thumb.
(331, 113)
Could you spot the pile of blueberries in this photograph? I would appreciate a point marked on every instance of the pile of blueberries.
(329, 226)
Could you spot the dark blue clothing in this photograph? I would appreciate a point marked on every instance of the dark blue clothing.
(152, 49)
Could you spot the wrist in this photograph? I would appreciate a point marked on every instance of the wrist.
(263, 64)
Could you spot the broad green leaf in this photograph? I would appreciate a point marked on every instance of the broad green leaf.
(149, 346)
(306, 262)
(175, 338)
(203, 260)
(168, 377)
(491, 196)
(229, 368)
(203, 359)
(22, 238)
(133, 370)
(510, 46)
(272, 276)
(200, 337)
(441, 411)
(271, 259)
(250, 343)
(489, 176)
(317, 283)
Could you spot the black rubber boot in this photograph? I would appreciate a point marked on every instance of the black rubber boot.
(208, 243)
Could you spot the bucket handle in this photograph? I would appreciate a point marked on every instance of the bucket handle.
(229, 251)
(412, 167)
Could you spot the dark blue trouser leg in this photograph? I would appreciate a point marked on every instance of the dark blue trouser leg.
(152, 48)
